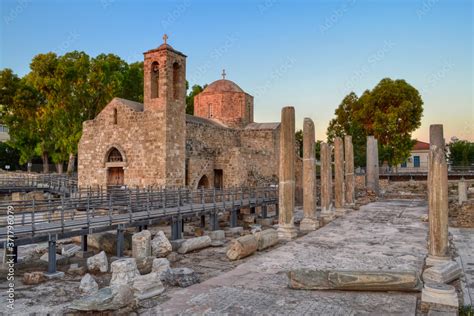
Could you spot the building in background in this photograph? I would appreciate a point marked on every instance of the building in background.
(418, 160)
(4, 133)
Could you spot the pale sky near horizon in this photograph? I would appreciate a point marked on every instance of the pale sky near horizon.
(308, 54)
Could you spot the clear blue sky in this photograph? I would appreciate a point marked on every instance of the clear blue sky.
(308, 54)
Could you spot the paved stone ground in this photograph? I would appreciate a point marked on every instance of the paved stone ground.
(382, 235)
(463, 239)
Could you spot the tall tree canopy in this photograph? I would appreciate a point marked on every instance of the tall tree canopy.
(195, 90)
(45, 109)
(391, 111)
(461, 153)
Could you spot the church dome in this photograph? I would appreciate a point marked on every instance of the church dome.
(223, 85)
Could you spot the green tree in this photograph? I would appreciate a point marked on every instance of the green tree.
(195, 90)
(9, 156)
(391, 111)
(346, 123)
(461, 153)
(299, 141)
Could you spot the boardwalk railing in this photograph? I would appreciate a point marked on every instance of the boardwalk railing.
(55, 183)
(94, 211)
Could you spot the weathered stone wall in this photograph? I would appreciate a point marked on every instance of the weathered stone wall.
(136, 135)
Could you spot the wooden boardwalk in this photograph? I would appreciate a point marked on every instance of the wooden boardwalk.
(88, 212)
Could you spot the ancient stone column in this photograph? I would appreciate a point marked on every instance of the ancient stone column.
(436, 135)
(349, 170)
(438, 206)
(309, 221)
(326, 185)
(286, 226)
(339, 176)
(372, 176)
(462, 191)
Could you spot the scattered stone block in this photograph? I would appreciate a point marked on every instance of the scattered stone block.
(234, 231)
(242, 247)
(173, 257)
(70, 250)
(439, 293)
(182, 277)
(107, 298)
(124, 271)
(98, 263)
(88, 285)
(195, 244)
(145, 264)
(309, 279)
(141, 244)
(106, 241)
(160, 245)
(266, 239)
(33, 278)
(255, 228)
(443, 273)
(216, 235)
(76, 269)
(160, 266)
(146, 286)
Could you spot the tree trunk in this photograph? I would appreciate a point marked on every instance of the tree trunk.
(59, 167)
(28, 166)
(71, 163)
(45, 162)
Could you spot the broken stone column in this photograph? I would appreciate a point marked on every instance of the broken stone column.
(462, 191)
(377, 280)
(242, 247)
(286, 226)
(326, 186)
(349, 170)
(309, 221)
(266, 239)
(339, 176)
(372, 176)
(436, 136)
(438, 206)
(141, 244)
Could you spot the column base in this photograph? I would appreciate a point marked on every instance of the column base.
(55, 275)
(435, 260)
(340, 212)
(439, 293)
(308, 224)
(286, 232)
(327, 216)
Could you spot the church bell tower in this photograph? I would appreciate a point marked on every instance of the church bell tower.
(165, 100)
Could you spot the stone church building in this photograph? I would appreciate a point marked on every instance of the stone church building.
(156, 143)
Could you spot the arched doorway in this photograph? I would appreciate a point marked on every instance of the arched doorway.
(115, 174)
(203, 182)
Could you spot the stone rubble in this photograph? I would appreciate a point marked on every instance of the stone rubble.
(146, 286)
(98, 262)
(124, 271)
(88, 285)
(160, 245)
(141, 244)
(182, 277)
(160, 266)
(32, 278)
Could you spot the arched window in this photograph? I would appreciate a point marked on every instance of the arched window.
(155, 80)
(115, 115)
(114, 156)
(176, 70)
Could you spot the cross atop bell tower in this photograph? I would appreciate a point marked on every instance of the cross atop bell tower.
(164, 77)
(223, 74)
